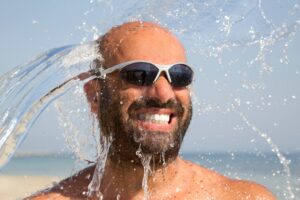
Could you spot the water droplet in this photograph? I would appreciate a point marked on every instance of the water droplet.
(35, 22)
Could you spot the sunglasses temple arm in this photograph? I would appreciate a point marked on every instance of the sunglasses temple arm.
(100, 72)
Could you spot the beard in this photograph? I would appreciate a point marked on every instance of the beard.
(128, 138)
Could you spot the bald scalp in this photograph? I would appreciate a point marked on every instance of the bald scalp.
(139, 40)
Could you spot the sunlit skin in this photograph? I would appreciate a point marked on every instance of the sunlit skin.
(177, 179)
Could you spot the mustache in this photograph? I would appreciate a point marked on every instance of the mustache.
(153, 102)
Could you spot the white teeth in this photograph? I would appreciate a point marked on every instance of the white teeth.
(155, 118)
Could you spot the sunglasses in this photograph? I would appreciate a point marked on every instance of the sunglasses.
(144, 73)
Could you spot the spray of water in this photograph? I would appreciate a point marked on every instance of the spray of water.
(94, 186)
(145, 160)
(29, 89)
(285, 163)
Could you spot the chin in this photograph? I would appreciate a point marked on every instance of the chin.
(154, 142)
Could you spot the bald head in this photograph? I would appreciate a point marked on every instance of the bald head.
(140, 41)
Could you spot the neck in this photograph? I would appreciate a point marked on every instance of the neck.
(130, 179)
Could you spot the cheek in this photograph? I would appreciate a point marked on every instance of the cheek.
(183, 96)
(127, 97)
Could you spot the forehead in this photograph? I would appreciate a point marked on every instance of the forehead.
(150, 43)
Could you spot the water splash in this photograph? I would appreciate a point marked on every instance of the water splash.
(77, 120)
(94, 186)
(27, 90)
(290, 194)
(163, 159)
(145, 160)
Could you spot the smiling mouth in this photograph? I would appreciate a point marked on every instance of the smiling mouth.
(155, 118)
(158, 120)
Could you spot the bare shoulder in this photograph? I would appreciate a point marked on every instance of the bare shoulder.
(74, 187)
(52, 196)
(219, 186)
(248, 190)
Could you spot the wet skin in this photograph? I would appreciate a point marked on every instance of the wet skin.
(123, 175)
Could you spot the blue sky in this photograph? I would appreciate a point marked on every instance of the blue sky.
(31, 27)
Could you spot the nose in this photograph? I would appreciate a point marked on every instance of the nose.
(161, 89)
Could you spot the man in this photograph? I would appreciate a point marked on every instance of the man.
(143, 103)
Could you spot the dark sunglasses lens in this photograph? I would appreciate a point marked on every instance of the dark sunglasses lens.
(181, 75)
(142, 74)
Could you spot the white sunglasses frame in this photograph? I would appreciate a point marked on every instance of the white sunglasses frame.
(161, 68)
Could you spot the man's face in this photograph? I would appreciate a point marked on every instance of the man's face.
(153, 118)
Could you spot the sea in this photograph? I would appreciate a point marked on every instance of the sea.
(263, 168)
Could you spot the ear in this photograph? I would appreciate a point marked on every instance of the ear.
(92, 93)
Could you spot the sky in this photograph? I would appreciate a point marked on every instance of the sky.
(223, 79)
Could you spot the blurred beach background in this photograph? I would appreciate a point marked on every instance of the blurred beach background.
(25, 175)
(246, 92)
